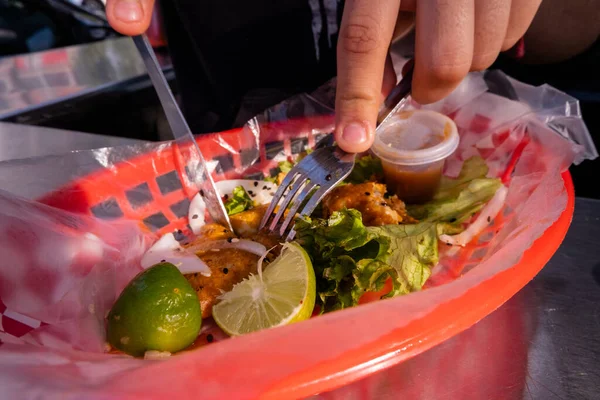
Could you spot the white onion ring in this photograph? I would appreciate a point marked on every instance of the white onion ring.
(489, 212)
(240, 244)
(197, 209)
(168, 249)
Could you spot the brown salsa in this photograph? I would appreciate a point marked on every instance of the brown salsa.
(413, 185)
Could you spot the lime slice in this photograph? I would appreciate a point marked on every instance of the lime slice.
(158, 310)
(283, 294)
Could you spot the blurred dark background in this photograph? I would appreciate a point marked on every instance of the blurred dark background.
(130, 108)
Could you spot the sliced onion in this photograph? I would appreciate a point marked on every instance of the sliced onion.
(197, 213)
(168, 249)
(256, 189)
(240, 244)
(489, 212)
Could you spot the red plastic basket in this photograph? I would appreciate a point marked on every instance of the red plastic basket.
(152, 189)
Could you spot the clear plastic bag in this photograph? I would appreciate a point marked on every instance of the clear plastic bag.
(61, 271)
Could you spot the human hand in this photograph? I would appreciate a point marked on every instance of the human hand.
(129, 17)
(453, 37)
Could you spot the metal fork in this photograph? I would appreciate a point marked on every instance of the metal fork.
(319, 172)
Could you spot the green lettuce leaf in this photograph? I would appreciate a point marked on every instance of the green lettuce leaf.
(239, 201)
(351, 259)
(459, 198)
(285, 166)
(413, 250)
(367, 168)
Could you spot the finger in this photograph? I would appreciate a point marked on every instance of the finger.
(389, 78)
(491, 23)
(443, 47)
(363, 43)
(129, 17)
(521, 16)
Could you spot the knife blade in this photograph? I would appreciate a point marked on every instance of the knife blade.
(198, 172)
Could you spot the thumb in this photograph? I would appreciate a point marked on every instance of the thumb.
(129, 17)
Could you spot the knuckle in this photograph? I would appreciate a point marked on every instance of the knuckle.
(483, 61)
(361, 35)
(350, 98)
(452, 70)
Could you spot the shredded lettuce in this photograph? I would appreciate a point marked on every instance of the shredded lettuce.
(351, 259)
(459, 198)
(286, 166)
(239, 201)
(283, 166)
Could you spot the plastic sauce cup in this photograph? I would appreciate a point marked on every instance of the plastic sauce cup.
(413, 148)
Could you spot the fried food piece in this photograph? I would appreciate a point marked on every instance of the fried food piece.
(228, 267)
(368, 198)
(213, 232)
(247, 222)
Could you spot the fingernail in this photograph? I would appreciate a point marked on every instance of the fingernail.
(129, 11)
(354, 133)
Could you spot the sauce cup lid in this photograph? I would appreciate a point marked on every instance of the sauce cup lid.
(415, 138)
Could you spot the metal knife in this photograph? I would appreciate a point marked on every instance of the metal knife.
(183, 136)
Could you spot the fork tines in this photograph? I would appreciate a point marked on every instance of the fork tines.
(305, 186)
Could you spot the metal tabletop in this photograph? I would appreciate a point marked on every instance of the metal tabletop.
(544, 343)
(23, 141)
(33, 81)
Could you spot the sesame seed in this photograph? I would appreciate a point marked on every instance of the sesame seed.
(328, 177)
(201, 192)
(225, 270)
(226, 197)
(367, 194)
(489, 218)
(195, 216)
(210, 338)
(255, 184)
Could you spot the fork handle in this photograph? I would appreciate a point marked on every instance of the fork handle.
(398, 93)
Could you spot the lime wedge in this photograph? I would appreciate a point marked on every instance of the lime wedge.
(285, 293)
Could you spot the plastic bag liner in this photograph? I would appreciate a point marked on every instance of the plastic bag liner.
(73, 227)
